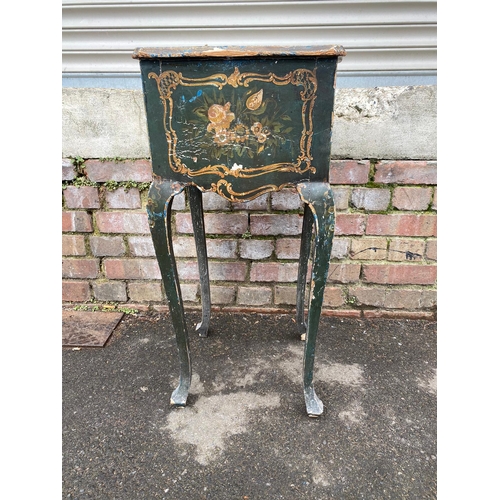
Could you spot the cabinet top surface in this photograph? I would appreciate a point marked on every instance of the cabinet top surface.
(239, 51)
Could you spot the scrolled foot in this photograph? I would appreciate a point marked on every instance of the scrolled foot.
(202, 329)
(314, 405)
(179, 397)
(302, 328)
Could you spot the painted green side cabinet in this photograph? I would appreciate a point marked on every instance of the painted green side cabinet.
(241, 122)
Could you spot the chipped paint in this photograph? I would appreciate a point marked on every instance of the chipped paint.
(234, 51)
(241, 129)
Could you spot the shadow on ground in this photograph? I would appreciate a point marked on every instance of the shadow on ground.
(245, 433)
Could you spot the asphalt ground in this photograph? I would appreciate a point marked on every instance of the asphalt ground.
(245, 433)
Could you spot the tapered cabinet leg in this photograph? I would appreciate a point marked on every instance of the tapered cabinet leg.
(159, 215)
(196, 206)
(319, 198)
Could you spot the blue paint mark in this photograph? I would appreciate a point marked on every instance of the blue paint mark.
(198, 94)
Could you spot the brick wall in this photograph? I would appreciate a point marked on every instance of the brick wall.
(383, 259)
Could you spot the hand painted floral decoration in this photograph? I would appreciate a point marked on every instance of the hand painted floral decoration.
(242, 126)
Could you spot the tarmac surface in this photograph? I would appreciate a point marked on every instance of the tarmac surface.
(245, 433)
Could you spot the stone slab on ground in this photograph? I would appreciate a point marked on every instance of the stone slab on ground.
(88, 328)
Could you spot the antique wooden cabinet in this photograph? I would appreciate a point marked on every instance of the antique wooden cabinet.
(241, 122)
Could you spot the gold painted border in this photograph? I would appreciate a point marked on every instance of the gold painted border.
(169, 80)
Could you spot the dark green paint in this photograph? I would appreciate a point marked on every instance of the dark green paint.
(241, 127)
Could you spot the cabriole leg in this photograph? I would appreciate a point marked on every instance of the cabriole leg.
(305, 251)
(319, 197)
(158, 208)
(196, 207)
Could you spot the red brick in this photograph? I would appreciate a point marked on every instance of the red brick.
(75, 291)
(369, 248)
(286, 199)
(341, 313)
(189, 292)
(256, 249)
(227, 271)
(73, 244)
(160, 308)
(340, 248)
(254, 296)
(81, 197)
(138, 307)
(406, 249)
(431, 250)
(349, 172)
(122, 222)
(411, 198)
(141, 246)
(222, 249)
(428, 299)
(110, 291)
(218, 271)
(371, 198)
(80, 222)
(274, 271)
(184, 223)
(184, 246)
(132, 269)
(121, 198)
(273, 224)
(179, 201)
(410, 299)
(333, 297)
(129, 170)
(259, 203)
(188, 270)
(80, 268)
(68, 170)
(349, 224)
(285, 295)
(222, 294)
(107, 246)
(214, 223)
(435, 199)
(344, 273)
(288, 248)
(406, 172)
(145, 291)
(399, 274)
(341, 197)
(213, 201)
(401, 225)
(399, 314)
(364, 296)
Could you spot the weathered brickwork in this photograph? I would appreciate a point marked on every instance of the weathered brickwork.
(383, 260)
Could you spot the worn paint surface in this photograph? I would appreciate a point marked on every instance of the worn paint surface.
(234, 51)
(241, 125)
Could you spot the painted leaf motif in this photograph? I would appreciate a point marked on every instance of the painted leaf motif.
(255, 100)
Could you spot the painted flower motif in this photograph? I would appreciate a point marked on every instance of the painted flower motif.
(256, 128)
(222, 137)
(261, 133)
(240, 133)
(220, 117)
(249, 129)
